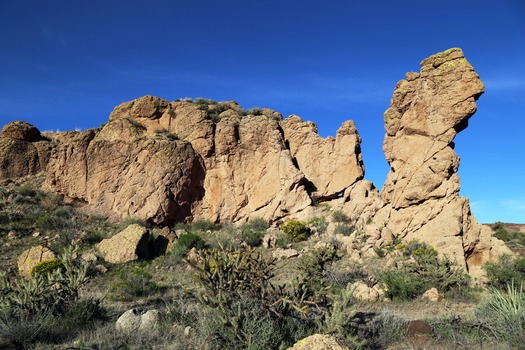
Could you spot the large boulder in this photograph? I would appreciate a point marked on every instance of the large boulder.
(130, 244)
(31, 257)
(135, 320)
(318, 342)
(20, 130)
(23, 151)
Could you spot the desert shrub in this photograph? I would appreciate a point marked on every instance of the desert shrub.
(63, 211)
(338, 321)
(21, 327)
(47, 266)
(253, 231)
(296, 230)
(427, 271)
(132, 283)
(248, 310)
(254, 111)
(60, 219)
(339, 278)
(185, 242)
(507, 270)
(380, 252)
(513, 238)
(402, 285)
(386, 329)
(503, 315)
(344, 229)
(203, 226)
(257, 224)
(252, 238)
(339, 216)
(314, 262)
(319, 224)
(44, 294)
(172, 136)
(283, 241)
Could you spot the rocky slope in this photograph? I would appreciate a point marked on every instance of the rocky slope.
(167, 162)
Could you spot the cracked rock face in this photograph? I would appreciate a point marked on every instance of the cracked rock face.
(421, 193)
(331, 165)
(426, 112)
(167, 162)
(23, 151)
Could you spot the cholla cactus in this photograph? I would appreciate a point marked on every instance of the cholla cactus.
(46, 292)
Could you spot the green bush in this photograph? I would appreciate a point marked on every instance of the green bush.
(344, 229)
(47, 266)
(339, 216)
(256, 224)
(402, 285)
(426, 272)
(186, 242)
(513, 238)
(296, 230)
(507, 270)
(251, 237)
(132, 283)
(253, 231)
(46, 293)
(247, 310)
(203, 226)
(319, 223)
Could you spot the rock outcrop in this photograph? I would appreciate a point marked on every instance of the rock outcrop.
(331, 165)
(23, 150)
(125, 173)
(167, 162)
(421, 193)
(248, 170)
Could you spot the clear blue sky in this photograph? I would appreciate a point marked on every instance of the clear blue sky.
(66, 64)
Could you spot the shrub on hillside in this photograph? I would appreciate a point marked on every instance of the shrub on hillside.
(319, 224)
(339, 216)
(507, 270)
(47, 266)
(296, 230)
(47, 293)
(513, 238)
(185, 242)
(203, 226)
(133, 283)
(249, 311)
(253, 231)
(427, 271)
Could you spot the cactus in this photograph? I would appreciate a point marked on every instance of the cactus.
(48, 291)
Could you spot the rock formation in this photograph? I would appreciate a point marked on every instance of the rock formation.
(128, 175)
(130, 244)
(167, 162)
(331, 165)
(23, 151)
(421, 193)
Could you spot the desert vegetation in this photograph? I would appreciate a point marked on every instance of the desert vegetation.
(227, 287)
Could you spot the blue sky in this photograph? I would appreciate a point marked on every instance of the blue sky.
(67, 64)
